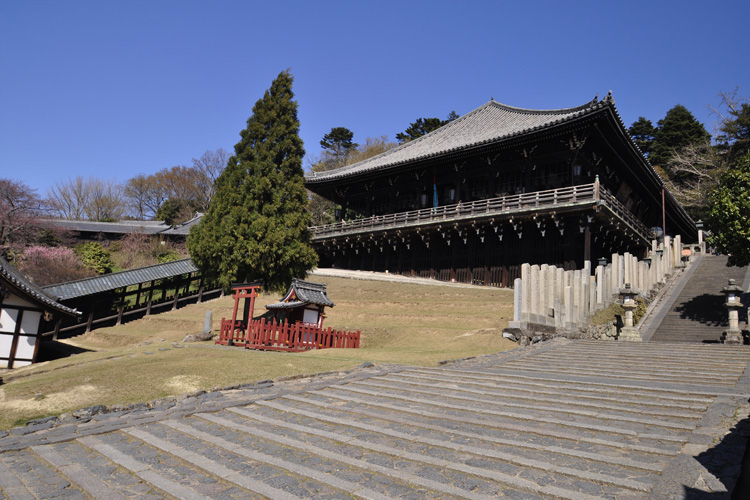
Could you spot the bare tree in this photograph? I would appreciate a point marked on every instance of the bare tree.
(92, 198)
(210, 165)
(20, 208)
(138, 192)
(695, 170)
(105, 202)
(68, 199)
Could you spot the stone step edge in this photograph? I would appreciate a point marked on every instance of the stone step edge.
(501, 425)
(560, 450)
(673, 390)
(12, 486)
(508, 457)
(563, 401)
(535, 391)
(572, 385)
(140, 469)
(87, 481)
(548, 420)
(256, 486)
(362, 464)
(499, 477)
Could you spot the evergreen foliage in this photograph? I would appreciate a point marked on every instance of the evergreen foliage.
(423, 126)
(729, 216)
(643, 132)
(337, 145)
(734, 136)
(256, 225)
(677, 129)
(95, 257)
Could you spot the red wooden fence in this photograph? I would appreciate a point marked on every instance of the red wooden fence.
(273, 336)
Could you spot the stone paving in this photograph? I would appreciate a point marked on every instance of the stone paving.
(558, 420)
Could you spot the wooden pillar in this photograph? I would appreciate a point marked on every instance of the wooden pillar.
(138, 295)
(90, 321)
(57, 328)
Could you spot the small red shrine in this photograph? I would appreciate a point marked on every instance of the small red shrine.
(297, 324)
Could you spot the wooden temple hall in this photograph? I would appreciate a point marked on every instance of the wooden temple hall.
(495, 188)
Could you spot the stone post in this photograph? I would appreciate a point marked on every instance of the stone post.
(534, 295)
(526, 290)
(517, 299)
(543, 274)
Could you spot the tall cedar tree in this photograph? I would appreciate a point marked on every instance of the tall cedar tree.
(677, 129)
(256, 225)
(643, 132)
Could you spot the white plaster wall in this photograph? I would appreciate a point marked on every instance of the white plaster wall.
(25, 348)
(15, 300)
(6, 340)
(30, 322)
(8, 320)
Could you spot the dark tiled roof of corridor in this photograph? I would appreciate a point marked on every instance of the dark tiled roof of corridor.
(107, 282)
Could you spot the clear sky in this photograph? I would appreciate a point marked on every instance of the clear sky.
(117, 88)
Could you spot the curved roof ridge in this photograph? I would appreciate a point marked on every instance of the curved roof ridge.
(558, 111)
(492, 121)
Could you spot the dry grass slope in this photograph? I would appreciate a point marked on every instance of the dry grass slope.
(400, 323)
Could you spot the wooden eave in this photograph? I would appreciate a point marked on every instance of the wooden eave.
(554, 130)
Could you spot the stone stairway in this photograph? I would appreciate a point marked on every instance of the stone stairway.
(559, 420)
(697, 313)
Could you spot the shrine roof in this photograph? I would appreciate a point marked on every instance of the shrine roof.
(17, 280)
(488, 123)
(301, 293)
(113, 281)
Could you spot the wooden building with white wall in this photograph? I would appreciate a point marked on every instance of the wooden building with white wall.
(24, 309)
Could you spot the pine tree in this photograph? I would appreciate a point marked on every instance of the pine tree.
(423, 126)
(337, 144)
(643, 131)
(256, 225)
(676, 130)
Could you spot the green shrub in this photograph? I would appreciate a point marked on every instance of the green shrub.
(95, 257)
(168, 255)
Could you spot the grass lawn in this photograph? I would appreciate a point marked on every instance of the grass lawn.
(137, 362)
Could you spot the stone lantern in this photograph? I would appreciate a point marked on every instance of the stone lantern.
(627, 296)
(733, 335)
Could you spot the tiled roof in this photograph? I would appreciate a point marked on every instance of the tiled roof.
(488, 123)
(107, 282)
(17, 280)
(306, 293)
(127, 227)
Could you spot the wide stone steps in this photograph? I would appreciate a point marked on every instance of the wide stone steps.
(697, 314)
(562, 420)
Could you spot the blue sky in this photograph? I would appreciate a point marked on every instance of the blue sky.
(117, 88)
